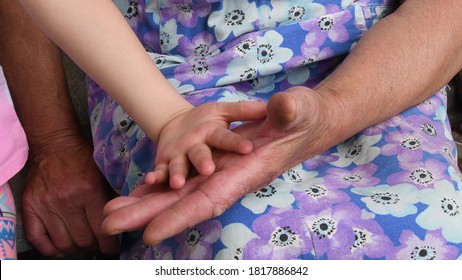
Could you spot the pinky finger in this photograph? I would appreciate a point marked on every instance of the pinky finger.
(158, 176)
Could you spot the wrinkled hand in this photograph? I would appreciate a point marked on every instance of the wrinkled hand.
(188, 138)
(63, 203)
(296, 126)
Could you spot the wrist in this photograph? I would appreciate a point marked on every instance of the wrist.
(55, 143)
(342, 121)
(169, 120)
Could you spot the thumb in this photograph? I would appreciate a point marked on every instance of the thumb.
(294, 108)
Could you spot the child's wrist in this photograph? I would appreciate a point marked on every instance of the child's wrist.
(169, 119)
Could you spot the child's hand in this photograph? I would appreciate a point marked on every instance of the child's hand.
(188, 137)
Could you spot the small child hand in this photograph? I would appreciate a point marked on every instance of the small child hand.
(189, 136)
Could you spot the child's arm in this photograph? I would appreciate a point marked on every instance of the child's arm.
(97, 37)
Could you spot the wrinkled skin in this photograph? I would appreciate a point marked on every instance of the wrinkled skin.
(296, 120)
(62, 204)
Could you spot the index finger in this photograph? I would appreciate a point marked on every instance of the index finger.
(211, 199)
(242, 111)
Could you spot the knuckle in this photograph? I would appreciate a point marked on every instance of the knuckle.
(33, 238)
(64, 197)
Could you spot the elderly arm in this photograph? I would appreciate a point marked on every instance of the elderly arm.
(400, 62)
(64, 192)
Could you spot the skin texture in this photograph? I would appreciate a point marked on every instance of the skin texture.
(64, 191)
(178, 147)
(136, 84)
(303, 122)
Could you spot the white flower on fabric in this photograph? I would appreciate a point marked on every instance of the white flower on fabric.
(262, 85)
(269, 53)
(398, 200)
(180, 88)
(236, 17)
(358, 151)
(266, 21)
(360, 20)
(382, 12)
(246, 47)
(442, 116)
(276, 194)
(347, 3)
(153, 6)
(163, 61)
(122, 5)
(299, 75)
(299, 178)
(287, 12)
(234, 237)
(238, 70)
(168, 38)
(444, 210)
(124, 122)
(456, 176)
(236, 96)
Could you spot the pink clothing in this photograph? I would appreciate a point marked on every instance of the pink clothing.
(13, 142)
(13, 156)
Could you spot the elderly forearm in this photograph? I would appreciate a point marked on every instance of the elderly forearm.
(400, 62)
(35, 75)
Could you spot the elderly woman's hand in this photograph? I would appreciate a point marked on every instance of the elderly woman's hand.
(300, 123)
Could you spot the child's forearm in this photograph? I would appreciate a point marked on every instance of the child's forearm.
(96, 36)
(400, 62)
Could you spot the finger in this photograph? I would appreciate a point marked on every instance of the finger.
(145, 189)
(80, 230)
(178, 170)
(37, 235)
(184, 215)
(225, 139)
(118, 203)
(136, 215)
(242, 111)
(201, 158)
(159, 175)
(60, 235)
(139, 193)
(94, 213)
(213, 197)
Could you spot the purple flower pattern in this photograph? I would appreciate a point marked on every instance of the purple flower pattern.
(196, 243)
(432, 247)
(373, 196)
(281, 235)
(423, 174)
(360, 176)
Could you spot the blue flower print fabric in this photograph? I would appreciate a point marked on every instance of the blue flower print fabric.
(392, 191)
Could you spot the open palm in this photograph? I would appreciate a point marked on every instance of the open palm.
(291, 133)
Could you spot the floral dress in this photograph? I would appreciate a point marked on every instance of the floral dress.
(392, 191)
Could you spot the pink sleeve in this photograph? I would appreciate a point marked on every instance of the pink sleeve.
(13, 142)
